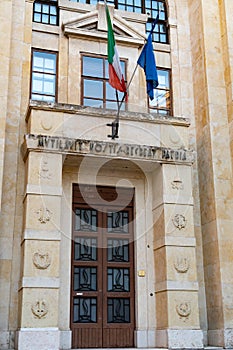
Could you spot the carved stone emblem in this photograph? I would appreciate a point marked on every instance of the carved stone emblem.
(44, 215)
(46, 124)
(44, 172)
(179, 221)
(182, 265)
(41, 260)
(183, 310)
(39, 309)
(177, 184)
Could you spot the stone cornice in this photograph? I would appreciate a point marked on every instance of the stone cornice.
(93, 25)
(106, 113)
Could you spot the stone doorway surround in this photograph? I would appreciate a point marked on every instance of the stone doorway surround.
(167, 310)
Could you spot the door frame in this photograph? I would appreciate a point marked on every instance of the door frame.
(102, 324)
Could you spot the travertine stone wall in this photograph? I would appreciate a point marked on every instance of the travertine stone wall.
(214, 160)
(5, 54)
(201, 58)
(14, 59)
(177, 308)
(6, 233)
(226, 8)
(39, 287)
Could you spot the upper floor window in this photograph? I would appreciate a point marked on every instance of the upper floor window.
(151, 7)
(44, 74)
(96, 90)
(161, 103)
(45, 11)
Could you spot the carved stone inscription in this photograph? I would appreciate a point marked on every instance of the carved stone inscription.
(44, 172)
(112, 149)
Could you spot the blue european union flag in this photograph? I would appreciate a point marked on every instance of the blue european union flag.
(146, 60)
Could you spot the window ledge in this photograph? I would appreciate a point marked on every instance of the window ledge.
(106, 113)
(45, 28)
(161, 47)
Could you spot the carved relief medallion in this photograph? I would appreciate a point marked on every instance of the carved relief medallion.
(179, 221)
(183, 310)
(177, 184)
(41, 260)
(46, 123)
(182, 265)
(44, 215)
(39, 309)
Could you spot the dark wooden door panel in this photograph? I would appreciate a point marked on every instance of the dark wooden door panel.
(87, 338)
(102, 288)
(118, 337)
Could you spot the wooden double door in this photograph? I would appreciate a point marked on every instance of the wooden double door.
(102, 290)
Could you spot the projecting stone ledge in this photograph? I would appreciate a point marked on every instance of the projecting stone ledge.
(107, 113)
(57, 144)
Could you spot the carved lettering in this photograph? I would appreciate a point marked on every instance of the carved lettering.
(44, 172)
(68, 145)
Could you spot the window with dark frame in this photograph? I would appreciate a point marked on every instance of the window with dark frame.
(161, 104)
(96, 90)
(46, 12)
(151, 7)
(44, 76)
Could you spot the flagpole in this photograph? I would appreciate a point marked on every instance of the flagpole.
(115, 123)
(134, 72)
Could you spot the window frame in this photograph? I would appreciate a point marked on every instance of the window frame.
(56, 74)
(49, 3)
(156, 110)
(105, 80)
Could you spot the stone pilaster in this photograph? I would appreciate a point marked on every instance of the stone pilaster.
(39, 287)
(213, 106)
(176, 285)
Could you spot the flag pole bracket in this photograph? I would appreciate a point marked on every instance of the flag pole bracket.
(115, 127)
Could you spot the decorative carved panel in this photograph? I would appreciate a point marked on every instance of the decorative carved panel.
(44, 215)
(179, 221)
(184, 310)
(41, 260)
(177, 184)
(182, 265)
(44, 171)
(39, 309)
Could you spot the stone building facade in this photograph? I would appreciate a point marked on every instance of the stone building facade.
(123, 242)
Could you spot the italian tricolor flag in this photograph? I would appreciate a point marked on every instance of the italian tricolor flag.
(116, 78)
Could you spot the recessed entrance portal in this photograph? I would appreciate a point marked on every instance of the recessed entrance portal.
(102, 287)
